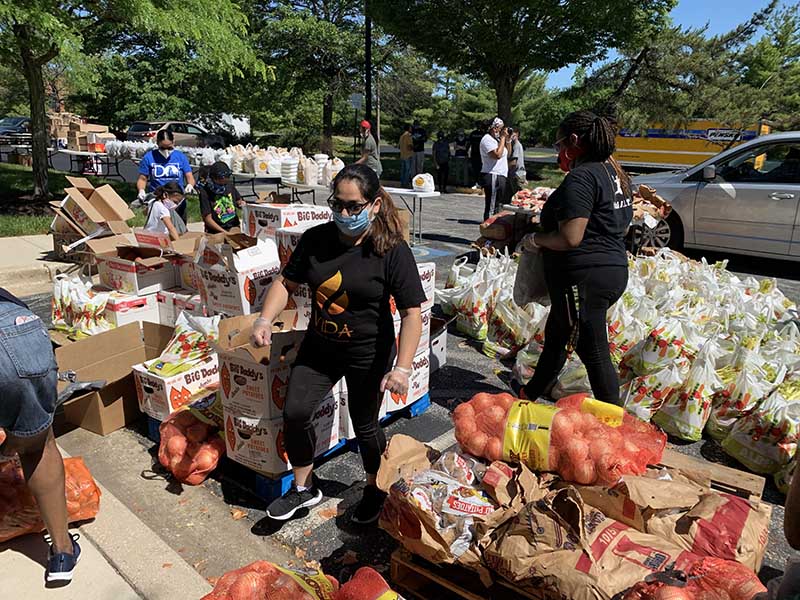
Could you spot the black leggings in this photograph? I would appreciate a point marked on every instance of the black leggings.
(494, 191)
(597, 288)
(317, 369)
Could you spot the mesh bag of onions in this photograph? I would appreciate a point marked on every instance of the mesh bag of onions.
(190, 448)
(582, 439)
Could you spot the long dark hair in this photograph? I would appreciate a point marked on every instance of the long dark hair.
(597, 136)
(386, 231)
(164, 134)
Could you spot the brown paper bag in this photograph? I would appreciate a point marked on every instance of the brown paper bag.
(403, 458)
(721, 526)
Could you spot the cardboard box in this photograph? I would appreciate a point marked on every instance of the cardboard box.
(180, 253)
(235, 272)
(88, 128)
(253, 381)
(300, 302)
(131, 269)
(160, 396)
(266, 219)
(439, 342)
(122, 309)
(100, 137)
(190, 302)
(109, 356)
(419, 383)
(259, 444)
(427, 275)
(286, 239)
(405, 221)
(172, 303)
(94, 209)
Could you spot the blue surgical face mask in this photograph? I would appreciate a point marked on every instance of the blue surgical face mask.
(353, 225)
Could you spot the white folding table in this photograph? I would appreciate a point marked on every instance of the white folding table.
(416, 220)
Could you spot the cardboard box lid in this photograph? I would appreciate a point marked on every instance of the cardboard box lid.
(108, 355)
(243, 253)
(156, 338)
(186, 245)
(109, 245)
(235, 332)
(104, 205)
(83, 184)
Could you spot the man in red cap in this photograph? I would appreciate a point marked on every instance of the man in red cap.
(369, 151)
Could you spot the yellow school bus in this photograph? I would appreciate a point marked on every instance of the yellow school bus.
(661, 147)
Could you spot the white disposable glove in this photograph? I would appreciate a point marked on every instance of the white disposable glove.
(396, 381)
(141, 195)
(189, 189)
(262, 332)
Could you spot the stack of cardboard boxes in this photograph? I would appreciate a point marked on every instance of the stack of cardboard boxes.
(60, 125)
(87, 137)
(155, 279)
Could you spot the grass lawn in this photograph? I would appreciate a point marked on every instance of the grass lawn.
(18, 216)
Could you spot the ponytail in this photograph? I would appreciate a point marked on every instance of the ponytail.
(597, 136)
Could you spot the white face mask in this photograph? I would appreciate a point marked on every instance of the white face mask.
(165, 152)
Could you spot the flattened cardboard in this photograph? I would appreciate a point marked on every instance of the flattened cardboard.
(110, 356)
(83, 184)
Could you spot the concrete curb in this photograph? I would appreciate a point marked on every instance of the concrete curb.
(147, 563)
(29, 280)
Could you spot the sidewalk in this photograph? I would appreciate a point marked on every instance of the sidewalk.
(121, 559)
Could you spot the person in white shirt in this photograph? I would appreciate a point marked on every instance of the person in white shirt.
(162, 216)
(494, 166)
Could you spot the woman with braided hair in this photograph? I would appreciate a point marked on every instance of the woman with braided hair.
(583, 224)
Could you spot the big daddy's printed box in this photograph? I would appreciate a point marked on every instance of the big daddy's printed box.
(122, 309)
(131, 269)
(267, 218)
(235, 272)
(160, 396)
(259, 443)
(425, 335)
(287, 239)
(300, 302)
(253, 381)
(418, 383)
(427, 275)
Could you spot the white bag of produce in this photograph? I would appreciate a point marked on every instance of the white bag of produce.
(645, 394)
(573, 379)
(525, 363)
(765, 441)
(460, 274)
(672, 339)
(192, 341)
(685, 413)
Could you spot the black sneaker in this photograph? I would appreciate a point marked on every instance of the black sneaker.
(60, 565)
(369, 509)
(284, 507)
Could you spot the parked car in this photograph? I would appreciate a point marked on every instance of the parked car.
(15, 125)
(744, 200)
(186, 134)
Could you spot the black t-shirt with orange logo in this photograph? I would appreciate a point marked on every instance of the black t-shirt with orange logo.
(351, 286)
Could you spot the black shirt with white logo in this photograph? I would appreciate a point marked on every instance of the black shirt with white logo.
(592, 191)
(350, 289)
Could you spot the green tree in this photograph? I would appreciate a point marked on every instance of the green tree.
(505, 42)
(35, 32)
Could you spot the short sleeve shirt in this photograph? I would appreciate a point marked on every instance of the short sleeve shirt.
(155, 218)
(370, 148)
(351, 288)
(518, 153)
(221, 207)
(160, 170)
(490, 164)
(593, 191)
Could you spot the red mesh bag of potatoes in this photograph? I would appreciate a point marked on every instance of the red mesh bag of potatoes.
(366, 584)
(706, 579)
(584, 440)
(190, 448)
(263, 580)
(18, 511)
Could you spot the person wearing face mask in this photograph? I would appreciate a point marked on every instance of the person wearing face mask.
(162, 165)
(359, 269)
(583, 222)
(494, 166)
(370, 155)
(460, 151)
(162, 216)
(219, 200)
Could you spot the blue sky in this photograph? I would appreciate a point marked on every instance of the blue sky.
(721, 16)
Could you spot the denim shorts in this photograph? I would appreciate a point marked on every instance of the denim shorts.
(28, 372)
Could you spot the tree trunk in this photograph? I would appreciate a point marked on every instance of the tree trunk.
(32, 68)
(368, 62)
(327, 124)
(504, 89)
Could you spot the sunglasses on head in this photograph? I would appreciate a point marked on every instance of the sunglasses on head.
(353, 208)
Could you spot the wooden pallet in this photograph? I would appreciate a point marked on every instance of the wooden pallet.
(419, 579)
(723, 479)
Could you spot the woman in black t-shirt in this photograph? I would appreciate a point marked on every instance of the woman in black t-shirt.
(584, 223)
(355, 266)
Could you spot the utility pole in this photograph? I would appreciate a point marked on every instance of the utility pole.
(368, 60)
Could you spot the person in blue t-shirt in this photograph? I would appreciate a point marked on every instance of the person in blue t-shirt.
(162, 165)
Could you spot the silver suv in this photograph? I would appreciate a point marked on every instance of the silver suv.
(186, 134)
(744, 200)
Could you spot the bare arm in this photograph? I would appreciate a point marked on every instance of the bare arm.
(173, 233)
(277, 298)
(569, 235)
(500, 151)
(141, 183)
(410, 332)
(212, 224)
(190, 178)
